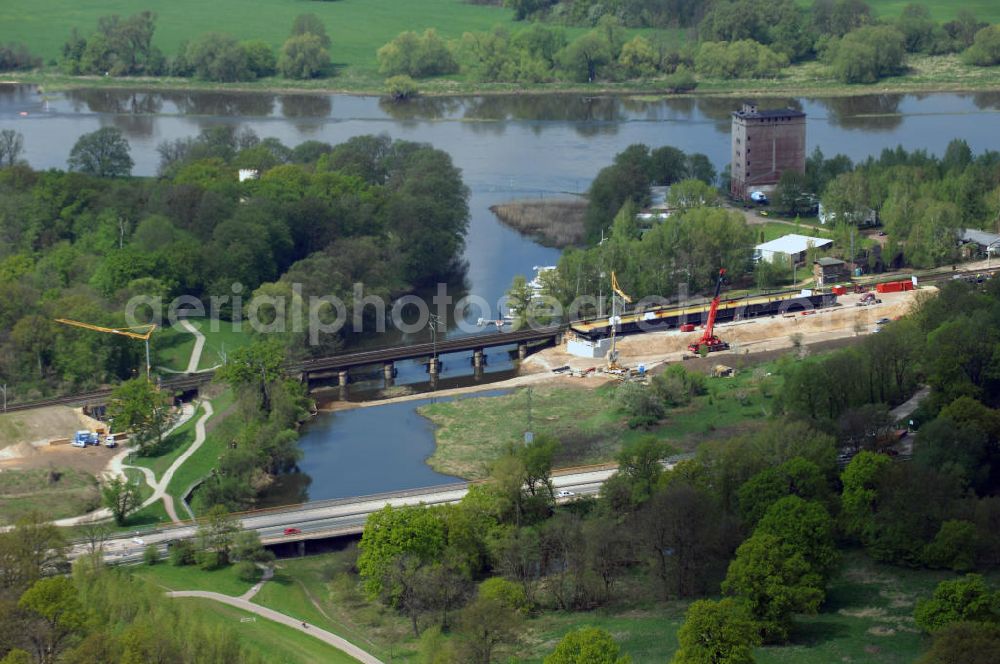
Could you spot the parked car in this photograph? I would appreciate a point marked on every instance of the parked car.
(758, 197)
(84, 438)
(882, 321)
(109, 441)
(292, 531)
(564, 494)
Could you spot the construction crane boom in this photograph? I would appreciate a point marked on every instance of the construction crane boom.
(708, 339)
(615, 319)
(130, 332)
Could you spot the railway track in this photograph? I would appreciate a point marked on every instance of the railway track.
(390, 353)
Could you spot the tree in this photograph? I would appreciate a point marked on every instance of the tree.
(485, 626)
(303, 57)
(775, 582)
(417, 56)
(795, 477)
(803, 527)
(218, 57)
(55, 615)
(401, 88)
(32, 549)
(859, 497)
(584, 57)
(104, 153)
(953, 547)
(216, 535)
(640, 464)
(790, 193)
(587, 645)
(962, 600)
(964, 643)
(120, 496)
(139, 407)
(985, 49)
(11, 147)
(691, 193)
(254, 369)
(867, 54)
(310, 24)
(247, 547)
(721, 632)
(260, 58)
(414, 531)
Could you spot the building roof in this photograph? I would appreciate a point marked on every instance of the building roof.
(827, 261)
(979, 237)
(793, 243)
(770, 113)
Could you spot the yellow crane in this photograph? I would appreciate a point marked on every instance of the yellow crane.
(141, 332)
(616, 318)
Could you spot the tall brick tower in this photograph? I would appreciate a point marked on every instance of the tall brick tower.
(765, 145)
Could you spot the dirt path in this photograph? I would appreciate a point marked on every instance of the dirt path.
(329, 638)
(268, 575)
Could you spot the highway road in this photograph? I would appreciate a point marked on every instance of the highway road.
(329, 518)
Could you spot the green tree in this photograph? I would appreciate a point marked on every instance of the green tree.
(953, 547)
(486, 626)
(638, 58)
(417, 56)
(738, 59)
(303, 57)
(964, 643)
(587, 645)
(775, 582)
(310, 24)
(985, 49)
(58, 615)
(141, 408)
(218, 57)
(104, 153)
(804, 527)
(121, 497)
(860, 495)
(968, 599)
(33, 548)
(691, 193)
(401, 88)
(790, 193)
(869, 53)
(795, 477)
(216, 536)
(717, 632)
(260, 58)
(255, 369)
(584, 57)
(414, 531)
(11, 147)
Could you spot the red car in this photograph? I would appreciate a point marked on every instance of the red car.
(292, 531)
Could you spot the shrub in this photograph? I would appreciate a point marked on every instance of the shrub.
(740, 59)
(151, 555)
(401, 87)
(182, 553)
(416, 55)
(247, 571)
(640, 403)
(302, 57)
(867, 54)
(985, 49)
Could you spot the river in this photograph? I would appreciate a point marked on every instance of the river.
(508, 147)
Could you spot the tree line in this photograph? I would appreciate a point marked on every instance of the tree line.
(390, 214)
(758, 38)
(124, 47)
(93, 613)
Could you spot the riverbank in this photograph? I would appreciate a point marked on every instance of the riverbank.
(925, 74)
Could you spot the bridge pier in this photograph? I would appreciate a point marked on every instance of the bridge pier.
(478, 372)
(522, 351)
(343, 378)
(434, 366)
(302, 548)
(478, 358)
(389, 373)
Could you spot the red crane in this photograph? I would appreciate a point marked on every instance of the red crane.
(708, 340)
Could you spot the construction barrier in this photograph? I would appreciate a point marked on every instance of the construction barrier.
(894, 286)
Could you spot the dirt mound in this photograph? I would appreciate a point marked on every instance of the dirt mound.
(38, 424)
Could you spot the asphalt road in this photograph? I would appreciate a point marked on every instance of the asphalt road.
(326, 519)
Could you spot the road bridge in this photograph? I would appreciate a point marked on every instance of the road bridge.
(329, 518)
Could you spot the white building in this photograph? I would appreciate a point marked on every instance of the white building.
(792, 245)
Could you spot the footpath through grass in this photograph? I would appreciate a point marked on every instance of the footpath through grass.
(192, 577)
(472, 432)
(160, 457)
(273, 642)
(172, 346)
(219, 430)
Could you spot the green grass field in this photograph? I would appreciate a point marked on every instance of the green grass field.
(160, 457)
(273, 642)
(172, 346)
(219, 430)
(357, 28)
(941, 10)
(472, 432)
(55, 492)
(192, 577)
